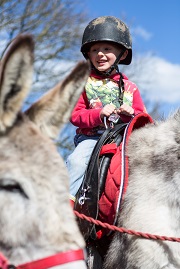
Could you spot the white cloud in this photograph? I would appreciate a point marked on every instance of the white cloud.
(142, 32)
(164, 81)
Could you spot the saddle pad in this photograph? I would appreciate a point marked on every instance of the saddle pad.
(117, 176)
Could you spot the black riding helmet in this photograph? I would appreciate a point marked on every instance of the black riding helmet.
(107, 28)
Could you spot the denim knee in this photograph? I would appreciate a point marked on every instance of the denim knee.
(73, 161)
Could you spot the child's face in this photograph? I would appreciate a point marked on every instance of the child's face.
(103, 55)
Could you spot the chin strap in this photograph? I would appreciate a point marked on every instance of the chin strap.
(54, 260)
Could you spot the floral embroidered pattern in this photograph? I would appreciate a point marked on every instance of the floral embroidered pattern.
(105, 91)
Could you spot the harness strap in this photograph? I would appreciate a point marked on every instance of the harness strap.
(86, 202)
(3, 261)
(54, 260)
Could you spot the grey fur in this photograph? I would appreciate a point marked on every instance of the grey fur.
(152, 201)
(36, 219)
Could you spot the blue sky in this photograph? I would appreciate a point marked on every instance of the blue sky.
(155, 29)
(156, 22)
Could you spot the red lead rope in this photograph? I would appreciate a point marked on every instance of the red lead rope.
(124, 230)
(45, 263)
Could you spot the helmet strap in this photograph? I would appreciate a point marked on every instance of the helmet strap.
(121, 88)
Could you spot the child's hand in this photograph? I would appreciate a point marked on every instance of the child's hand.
(125, 109)
(107, 111)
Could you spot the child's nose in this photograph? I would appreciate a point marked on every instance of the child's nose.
(100, 52)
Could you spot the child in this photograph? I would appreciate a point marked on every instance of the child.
(109, 97)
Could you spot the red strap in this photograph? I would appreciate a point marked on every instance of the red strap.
(109, 148)
(3, 262)
(57, 259)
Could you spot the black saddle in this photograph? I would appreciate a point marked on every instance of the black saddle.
(94, 179)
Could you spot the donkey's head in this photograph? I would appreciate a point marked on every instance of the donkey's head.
(35, 215)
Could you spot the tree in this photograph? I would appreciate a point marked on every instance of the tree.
(56, 27)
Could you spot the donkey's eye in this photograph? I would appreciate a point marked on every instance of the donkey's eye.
(10, 185)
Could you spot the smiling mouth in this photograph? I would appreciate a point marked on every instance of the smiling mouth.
(101, 62)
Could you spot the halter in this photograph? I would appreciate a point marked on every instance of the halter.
(51, 261)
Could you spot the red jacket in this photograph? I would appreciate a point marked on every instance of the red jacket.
(87, 118)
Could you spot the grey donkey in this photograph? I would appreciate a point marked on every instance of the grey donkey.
(152, 200)
(36, 219)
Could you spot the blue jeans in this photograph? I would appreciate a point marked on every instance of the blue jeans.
(78, 160)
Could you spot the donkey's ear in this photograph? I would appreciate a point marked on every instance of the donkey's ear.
(55, 107)
(15, 78)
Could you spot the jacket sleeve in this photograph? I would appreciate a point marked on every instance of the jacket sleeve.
(84, 117)
(138, 104)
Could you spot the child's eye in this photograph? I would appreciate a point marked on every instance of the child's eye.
(107, 49)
